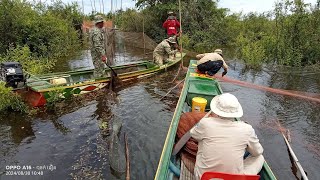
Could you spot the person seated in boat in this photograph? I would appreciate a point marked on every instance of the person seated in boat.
(222, 141)
(211, 63)
(163, 50)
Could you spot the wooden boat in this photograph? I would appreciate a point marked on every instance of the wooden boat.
(40, 88)
(195, 85)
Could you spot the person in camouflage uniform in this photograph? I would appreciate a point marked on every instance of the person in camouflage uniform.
(98, 53)
(163, 50)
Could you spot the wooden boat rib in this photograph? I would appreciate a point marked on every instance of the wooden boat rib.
(195, 85)
(80, 82)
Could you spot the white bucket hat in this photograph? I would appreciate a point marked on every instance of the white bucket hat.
(226, 105)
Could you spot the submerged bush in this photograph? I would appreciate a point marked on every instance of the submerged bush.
(54, 97)
(251, 50)
(10, 100)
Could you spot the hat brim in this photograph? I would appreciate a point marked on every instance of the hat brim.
(217, 111)
(172, 42)
(99, 21)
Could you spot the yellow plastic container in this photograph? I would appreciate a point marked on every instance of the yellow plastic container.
(199, 104)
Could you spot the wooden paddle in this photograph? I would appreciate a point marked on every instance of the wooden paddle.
(113, 72)
(184, 139)
(295, 159)
(113, 76)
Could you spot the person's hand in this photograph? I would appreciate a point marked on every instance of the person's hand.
(104, 59)
(224, 73)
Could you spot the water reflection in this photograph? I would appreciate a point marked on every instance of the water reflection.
(300, 116)
(16, 129)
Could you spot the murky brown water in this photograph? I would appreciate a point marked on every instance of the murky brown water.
(71, 139)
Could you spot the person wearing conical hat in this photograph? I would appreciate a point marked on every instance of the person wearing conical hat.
(97, 41)
(211, 63)
(163, 50)
(223, 141)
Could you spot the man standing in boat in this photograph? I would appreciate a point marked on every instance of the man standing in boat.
(222, 141)
(211, 63)
(171, 24)
(97, 41)
(163, 50)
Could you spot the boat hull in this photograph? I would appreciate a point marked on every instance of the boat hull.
(39, 89)
(195, 85)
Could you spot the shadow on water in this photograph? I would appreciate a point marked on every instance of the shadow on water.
(75, 137)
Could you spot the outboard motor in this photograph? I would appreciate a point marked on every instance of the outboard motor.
(12, 74)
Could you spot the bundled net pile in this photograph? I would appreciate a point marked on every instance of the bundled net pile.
(189, 152)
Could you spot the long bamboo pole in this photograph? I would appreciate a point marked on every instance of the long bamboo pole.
(180, 19)
(127, 158)
(296, 161)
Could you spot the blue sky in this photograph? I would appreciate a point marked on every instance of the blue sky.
(234, 5)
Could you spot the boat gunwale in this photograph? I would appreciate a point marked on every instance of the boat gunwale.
(123, 76)
(165, 158)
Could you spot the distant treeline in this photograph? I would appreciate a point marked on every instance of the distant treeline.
(287, 35)
(37, 34)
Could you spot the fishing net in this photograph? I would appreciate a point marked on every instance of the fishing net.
(136, 39)
(189, 152)
(117, 157)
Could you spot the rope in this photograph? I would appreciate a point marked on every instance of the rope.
(172, 89)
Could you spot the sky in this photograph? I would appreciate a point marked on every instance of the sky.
(244, 6)
(247, 6)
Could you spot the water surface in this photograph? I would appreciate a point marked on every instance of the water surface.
(70, 137)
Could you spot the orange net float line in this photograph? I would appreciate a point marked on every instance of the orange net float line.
(269, 89)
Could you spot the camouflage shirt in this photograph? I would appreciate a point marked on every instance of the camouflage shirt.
(164, 48)
(97, 41)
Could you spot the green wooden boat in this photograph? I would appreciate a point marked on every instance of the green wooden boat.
(39, 88)
(196, 85)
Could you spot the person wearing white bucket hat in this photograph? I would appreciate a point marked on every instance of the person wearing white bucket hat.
(223, 141)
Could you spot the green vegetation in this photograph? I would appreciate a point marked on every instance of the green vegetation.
(287, 35)
(36, 35)
(10, 100)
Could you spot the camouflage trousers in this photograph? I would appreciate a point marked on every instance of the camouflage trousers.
(159, 59)
(98, 65)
